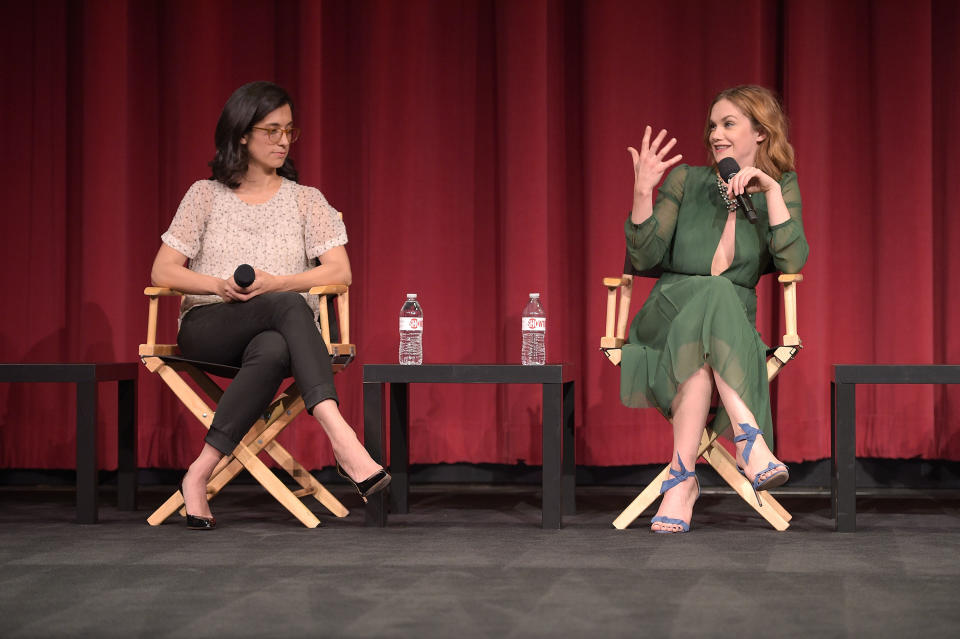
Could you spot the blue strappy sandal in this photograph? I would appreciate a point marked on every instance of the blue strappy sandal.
(778, 478)
(676, 476)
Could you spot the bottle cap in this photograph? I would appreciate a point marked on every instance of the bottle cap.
(411, 296)
(534, 294)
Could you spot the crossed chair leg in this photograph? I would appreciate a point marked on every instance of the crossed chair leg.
(261, 437)
(726, 466)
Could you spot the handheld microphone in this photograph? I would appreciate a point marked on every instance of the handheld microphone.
(244, 275)
(728, 167)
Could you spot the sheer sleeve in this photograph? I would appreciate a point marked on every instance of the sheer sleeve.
(186, 230)
(647, 242)
(324, 229)
(787, 242)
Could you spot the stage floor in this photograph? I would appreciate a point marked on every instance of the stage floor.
(472, 561)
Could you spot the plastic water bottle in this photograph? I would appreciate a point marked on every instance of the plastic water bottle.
(534, 333)
(411, 331)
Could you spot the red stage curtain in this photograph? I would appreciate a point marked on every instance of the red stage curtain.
(478, 151)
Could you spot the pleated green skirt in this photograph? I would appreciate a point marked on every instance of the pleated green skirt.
(686, 322)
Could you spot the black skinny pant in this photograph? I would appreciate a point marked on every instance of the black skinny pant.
(268, 337)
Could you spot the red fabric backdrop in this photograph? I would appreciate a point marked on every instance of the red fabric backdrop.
(478, 151)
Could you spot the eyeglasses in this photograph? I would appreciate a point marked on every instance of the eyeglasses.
(276, 134)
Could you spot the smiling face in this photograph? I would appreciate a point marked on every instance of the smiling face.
(264, 154)
(731, 134)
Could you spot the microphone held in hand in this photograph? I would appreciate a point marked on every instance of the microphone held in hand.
(728, 167)
(244, 275)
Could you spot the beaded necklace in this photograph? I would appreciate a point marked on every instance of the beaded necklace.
(731, 205)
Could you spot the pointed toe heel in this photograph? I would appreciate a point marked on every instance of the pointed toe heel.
(369, 486)
(200, 523)
(193, 521)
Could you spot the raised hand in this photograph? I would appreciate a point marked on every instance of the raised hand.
(648, 164)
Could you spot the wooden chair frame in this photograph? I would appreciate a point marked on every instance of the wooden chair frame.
(164, 360)
(710, 449)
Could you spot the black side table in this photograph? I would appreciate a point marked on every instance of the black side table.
(86, 377)
(559, 465)
(843, 388)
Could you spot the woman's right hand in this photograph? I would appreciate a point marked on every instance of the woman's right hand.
(228, 290)
(648, 164)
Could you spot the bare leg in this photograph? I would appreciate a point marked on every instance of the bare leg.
(760, 455)
(195, 481)
(348, 450)
(690, 409)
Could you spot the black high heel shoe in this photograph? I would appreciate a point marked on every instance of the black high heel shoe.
(369, 486)
(194, 522)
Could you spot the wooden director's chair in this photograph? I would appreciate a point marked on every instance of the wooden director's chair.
(165, 360)
(710, 449)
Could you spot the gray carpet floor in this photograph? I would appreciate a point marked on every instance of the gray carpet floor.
(473, 562)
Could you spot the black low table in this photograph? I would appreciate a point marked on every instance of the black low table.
(558, 423)
(843, 485)
(86, 377)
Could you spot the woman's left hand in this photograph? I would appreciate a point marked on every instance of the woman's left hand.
(750, 180)
(264, 283)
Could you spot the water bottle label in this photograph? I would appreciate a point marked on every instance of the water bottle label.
(538, 324)
(411, 323)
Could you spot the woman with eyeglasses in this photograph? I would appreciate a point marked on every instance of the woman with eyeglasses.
(253, 211)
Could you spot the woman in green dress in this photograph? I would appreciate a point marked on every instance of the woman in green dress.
(697, 330)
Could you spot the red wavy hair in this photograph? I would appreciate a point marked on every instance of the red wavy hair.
(774, 154)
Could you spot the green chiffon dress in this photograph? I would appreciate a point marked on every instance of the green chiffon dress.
(692, 318)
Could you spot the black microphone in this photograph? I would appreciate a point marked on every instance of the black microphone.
(244, 275)
(728, 167)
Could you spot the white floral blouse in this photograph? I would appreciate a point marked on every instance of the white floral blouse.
(218, 231)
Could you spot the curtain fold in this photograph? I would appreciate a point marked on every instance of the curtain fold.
(478, 152)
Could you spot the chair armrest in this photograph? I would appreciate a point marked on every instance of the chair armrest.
(342, 291)
(155, 292)
(624, 284)
(790, 281)
(160, 290)
(329, 289)
(790, 277)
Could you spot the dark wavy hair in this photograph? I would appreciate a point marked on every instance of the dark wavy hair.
(248, 105)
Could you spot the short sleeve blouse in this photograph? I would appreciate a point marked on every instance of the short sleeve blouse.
(218, 231)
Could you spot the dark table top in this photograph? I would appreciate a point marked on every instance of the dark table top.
(896, 373)
(468, 373)
(68, 371)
